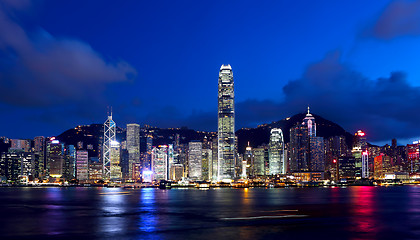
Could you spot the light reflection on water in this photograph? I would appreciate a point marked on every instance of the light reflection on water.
(414, 210)
(114, 208)
(364, 211)
(148, 214)
(351, 213)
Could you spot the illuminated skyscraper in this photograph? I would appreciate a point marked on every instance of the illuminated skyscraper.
(39, 150)
(69, 162)
(309, 121)
(55, 159)
(226, 124)
(109, 136)
(206, 164)
(195, 156)
(133, 146)
(260, 159)
(276, 152)
(360, 152)
(82, 165)
(299, 144)
(115, 162)
(160, 162)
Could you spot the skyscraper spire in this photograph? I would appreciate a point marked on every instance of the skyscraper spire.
(308, 109)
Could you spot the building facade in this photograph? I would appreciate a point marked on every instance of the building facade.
(226, 124)
(195, 156)
(133, 147)
(276, 152)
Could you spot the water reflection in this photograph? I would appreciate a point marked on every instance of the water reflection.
(148, 219)
(414, 210)
(363, 212)
(113, 206)
(53, 218)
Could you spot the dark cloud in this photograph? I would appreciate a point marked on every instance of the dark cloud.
(385, 108)
(399, 18)
(38, 69)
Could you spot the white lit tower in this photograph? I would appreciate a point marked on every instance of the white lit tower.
(276, 152)
(226, 124)
(133, 146)
(109, 138)
(360, 150)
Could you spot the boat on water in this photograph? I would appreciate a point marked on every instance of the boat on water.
(163, 184)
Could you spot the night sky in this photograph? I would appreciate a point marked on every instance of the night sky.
(156, 62)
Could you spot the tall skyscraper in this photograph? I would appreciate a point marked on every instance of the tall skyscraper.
(82, 165)
(55, 159)
(195, 156)
(276, 152)
(109, 137)
(39, 150)
(206, 164)
(226, 124)
(115, 161)
(69, 162)
(298, 148)
(309, 121)
(360, 152)
(260, 154)
(133, 146)
(160, 162)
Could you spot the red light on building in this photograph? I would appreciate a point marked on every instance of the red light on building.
(334, 160)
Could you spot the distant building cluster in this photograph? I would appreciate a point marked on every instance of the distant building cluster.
(144, 154)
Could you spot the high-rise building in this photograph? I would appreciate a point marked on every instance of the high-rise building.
(299, 143)
(55, 159)
(206, 164)
(39, 170)
(160, 162)
(109, 137)
(133, 146)
(115, 161)
(177, 172)
(317, 154)
(27, 160)
(306, 150)
(249, 161)
(95, 169)
(347, 168)
(171, 158)
(413, 157)
(260, 155)
(10, 166)
(226, 124)
(69, 162)
(82, 165)
(276, 152)
(195, 155)
(360, 152)
(309, 121)
(147, 161)
(215, 160)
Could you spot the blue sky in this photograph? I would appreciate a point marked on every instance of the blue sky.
(156, 62)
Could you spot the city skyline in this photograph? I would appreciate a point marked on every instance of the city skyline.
(156, 64)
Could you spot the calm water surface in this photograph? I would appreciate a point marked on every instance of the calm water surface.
(290, 213)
